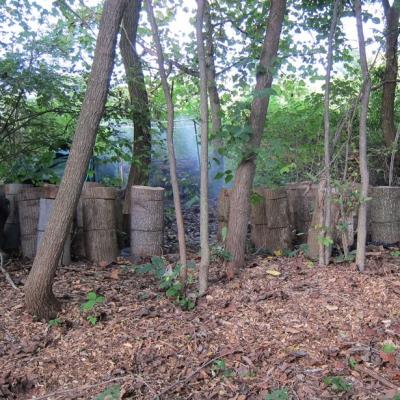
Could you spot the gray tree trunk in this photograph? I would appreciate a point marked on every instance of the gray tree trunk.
(325, 187)
(240, 196)
(217, 160)
(170, 140)
(139, 171)
(366, 90)
(204, 245)
(39, 297)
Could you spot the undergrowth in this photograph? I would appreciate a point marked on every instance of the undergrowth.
(167, 277)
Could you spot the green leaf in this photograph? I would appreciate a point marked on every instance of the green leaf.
(224, 233)
(54, 322)
(337, 383)
(389, 348)
(111, 393)
(228, 178)
(91, 296)
(352, 363)
(92, 319)
(279, 394)
(256, 198)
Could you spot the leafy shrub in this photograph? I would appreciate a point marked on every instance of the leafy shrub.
(92, 300)
(220, 254)
(168, 281)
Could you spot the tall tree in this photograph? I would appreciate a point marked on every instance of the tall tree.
(204, 245)
(139, 171)
(365, 94)
(170, 139)
(213, 95)
(240, 197)
(39, 297)
(389, 79)
(324, 191)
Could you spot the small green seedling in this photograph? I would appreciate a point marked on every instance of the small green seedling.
(111, 393)
(168, 280)
(352, 362)
(395, 253)
(219, 253)
(279, 394)
(54, 322)
(92, 300)
(90, 303)
(389, 348)
(92, 319)
(337, 383)
(219, 367)
(325, 240)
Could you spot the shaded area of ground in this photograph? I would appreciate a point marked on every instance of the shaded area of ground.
(245, 339)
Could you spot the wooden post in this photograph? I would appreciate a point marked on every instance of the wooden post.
(301, 199)
(45, 209)
(28, 208)
(270, 225)
(12, 237)
(99, 224)
(147, 220)
(78, 238)
(385, 214)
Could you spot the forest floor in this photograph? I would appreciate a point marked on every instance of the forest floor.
(285, 324)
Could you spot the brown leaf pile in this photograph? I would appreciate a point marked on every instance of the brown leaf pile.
(286, 330)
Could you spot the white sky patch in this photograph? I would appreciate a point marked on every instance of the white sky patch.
(182, 27)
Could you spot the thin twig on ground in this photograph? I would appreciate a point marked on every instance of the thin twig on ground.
(376, 376)
(195, 372)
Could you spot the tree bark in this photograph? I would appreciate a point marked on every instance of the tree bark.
(240, 199)
(213, 95)
(39, 297)
(389, 79)
(170, 140)
(204, 245)
(393, 156)
(139, 171)
(325, 186)
(366, 90)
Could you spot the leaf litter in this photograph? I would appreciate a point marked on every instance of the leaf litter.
(303, 333)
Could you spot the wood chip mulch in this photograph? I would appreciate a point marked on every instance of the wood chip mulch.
(261, 332)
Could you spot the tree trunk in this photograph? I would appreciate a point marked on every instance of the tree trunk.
(217, 160)
(39, 297)
(4, 213)
(204, 245)
(139, 171)
(362, 212)
(325, 185)
(390, 75)
(240, 197)
(170, 140)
